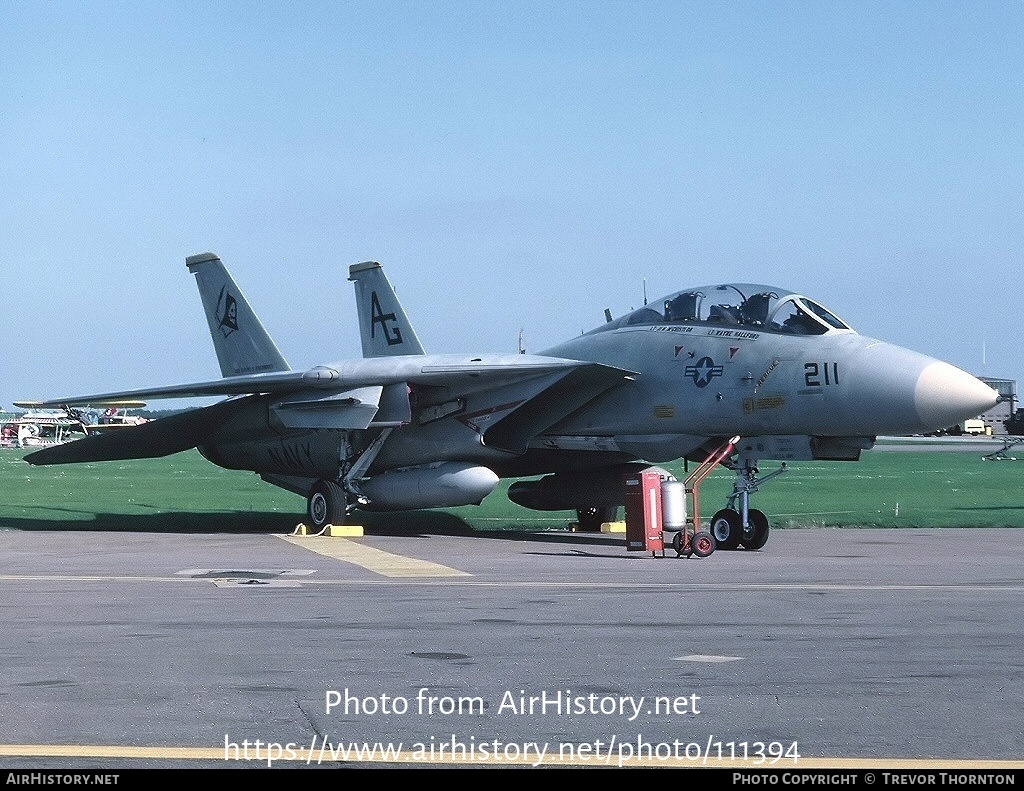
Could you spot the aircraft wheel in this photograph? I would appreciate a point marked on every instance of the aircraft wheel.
(702, 544)
(591, 519)
(756, 534)
(727, 529)
(326, 505)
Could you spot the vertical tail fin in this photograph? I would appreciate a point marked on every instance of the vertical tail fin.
(243, 346)
(384, 328)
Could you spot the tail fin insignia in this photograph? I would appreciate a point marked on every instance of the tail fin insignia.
(377, 304)
(242, 344)
(379, 316)
(227, 312)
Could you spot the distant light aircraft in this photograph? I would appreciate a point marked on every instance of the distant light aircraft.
(401, 429)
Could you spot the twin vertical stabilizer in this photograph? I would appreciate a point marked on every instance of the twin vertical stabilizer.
(384, 329)
(243, 346)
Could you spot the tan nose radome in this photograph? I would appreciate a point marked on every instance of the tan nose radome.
(946, 395)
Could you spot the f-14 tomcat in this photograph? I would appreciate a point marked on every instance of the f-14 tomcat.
(402, 429)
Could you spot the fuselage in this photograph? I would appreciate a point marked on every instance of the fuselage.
(793, 369)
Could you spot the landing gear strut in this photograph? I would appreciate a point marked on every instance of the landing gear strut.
(735, 526)
(329, 502)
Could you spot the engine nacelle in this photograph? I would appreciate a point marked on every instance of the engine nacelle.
(311, 454)
(441, 485)
(569, 491)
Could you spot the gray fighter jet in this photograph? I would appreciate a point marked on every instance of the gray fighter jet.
(402, 429)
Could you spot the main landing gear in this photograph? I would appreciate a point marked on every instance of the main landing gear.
(330, 502)
(744, 526)
(327, 505)
(591, 519)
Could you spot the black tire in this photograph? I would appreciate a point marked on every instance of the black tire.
(702, 544)
(756, 534)
(677, 543)
(326, 505)
(591, 519)
(727, 529)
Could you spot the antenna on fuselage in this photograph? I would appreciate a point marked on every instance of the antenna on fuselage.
(608, 315)
(645, 290)
(522, 347)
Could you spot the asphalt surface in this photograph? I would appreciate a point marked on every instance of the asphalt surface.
(845, 647)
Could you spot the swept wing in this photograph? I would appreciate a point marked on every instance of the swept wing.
(534, 392)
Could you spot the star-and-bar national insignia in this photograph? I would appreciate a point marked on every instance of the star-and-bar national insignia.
(703, 372)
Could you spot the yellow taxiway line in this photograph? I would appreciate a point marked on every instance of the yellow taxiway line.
(378, 561)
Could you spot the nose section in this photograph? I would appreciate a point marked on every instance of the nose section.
(945, 395)
(892, 390)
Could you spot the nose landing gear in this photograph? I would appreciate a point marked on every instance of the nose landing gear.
(743, 526)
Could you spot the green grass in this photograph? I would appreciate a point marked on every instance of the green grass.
(898, 489)
(185, 493)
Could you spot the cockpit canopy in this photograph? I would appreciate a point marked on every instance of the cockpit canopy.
(736, 305)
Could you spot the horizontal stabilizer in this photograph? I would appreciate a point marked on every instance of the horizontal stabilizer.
(146, 441)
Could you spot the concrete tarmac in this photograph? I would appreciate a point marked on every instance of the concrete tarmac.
(829, 648)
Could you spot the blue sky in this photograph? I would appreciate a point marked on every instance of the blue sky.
(514, 165)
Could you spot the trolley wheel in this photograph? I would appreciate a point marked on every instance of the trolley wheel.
(727, 529)
(677, 543)
(702, 544)
(756, 534)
